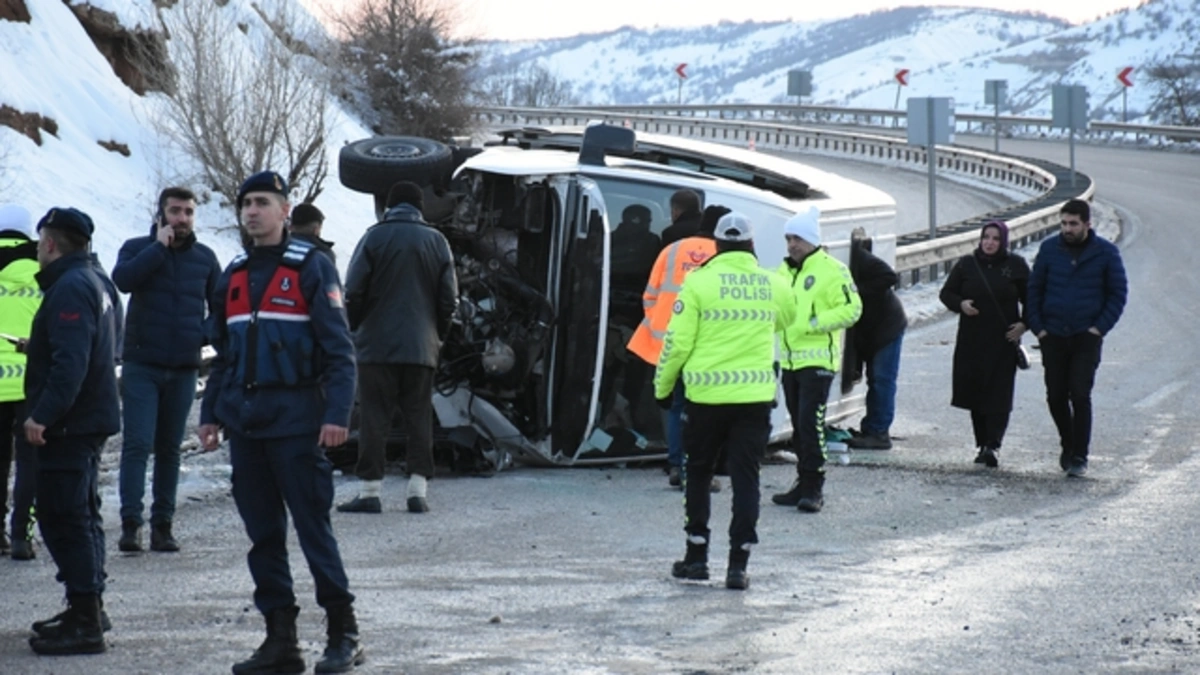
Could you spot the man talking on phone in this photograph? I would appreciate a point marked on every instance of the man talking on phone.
(169, 276)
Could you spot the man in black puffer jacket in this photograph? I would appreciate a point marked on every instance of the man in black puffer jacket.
(401, 295)
(169, 276)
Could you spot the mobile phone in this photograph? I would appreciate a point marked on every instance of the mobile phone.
(11, 338)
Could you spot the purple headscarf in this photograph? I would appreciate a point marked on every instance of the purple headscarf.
(1002, 228)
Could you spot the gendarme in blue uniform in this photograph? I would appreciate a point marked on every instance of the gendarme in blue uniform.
(285, 360)
(284, 367)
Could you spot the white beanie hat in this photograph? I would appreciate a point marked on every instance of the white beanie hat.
(17, 218)
(733, 226)
(805, 225)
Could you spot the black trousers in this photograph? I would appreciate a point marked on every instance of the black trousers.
(989, 428)
(12, 443)
(380, 387)
(806, 391)
(1070, 365)
(69, 511)
(271, 478)
(743, 430)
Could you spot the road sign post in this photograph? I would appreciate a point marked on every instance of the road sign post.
(995, 92)
(1123, 77)
(901, 82)
(1069, 111)
(799, 84)
(931, 121)
(680, 70)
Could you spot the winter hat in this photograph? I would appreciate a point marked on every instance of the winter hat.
(16, 218)
(733, 226)
(406, 192)
(69, 220)
(263, 181)
(806, 225)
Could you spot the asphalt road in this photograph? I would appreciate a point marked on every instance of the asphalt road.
(920, 563)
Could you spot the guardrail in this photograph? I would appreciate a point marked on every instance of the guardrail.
(888, 118)
(918, 256)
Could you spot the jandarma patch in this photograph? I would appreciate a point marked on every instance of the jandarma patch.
(677, 307)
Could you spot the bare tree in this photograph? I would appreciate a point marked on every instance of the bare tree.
(1177, 82)
(528, 86)
(407, 74)
(241, 97)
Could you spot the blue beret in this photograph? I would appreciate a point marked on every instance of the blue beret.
(69, 219)
(263, 181)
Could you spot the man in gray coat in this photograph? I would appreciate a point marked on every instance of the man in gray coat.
(401, 295)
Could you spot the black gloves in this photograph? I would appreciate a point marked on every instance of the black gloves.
(664, 403)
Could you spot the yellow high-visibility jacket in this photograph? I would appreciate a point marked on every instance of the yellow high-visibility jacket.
(20, 297)
(827, 303)
(721, 338)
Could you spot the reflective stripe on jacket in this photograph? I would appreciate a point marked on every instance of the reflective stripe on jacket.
(19, 300)
(721, 338)
(827, 303)
(674, 263)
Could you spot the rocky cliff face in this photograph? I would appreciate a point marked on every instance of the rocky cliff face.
(131, 53)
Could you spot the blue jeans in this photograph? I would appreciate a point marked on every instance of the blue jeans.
(155, 405)
(882, 371)
(675, 425)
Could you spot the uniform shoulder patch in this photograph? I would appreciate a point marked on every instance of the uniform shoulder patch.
(334, 293)
(677, 307)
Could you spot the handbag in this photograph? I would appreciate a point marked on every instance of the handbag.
(1022, 353)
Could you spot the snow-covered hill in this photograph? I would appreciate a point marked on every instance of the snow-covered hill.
(51, 67)
(949, 51)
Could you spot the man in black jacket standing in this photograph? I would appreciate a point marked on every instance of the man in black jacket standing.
(401, 295)
(876, 339)
(71, 392)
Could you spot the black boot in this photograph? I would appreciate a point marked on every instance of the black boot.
(161, 538)
(50, 627)
(343, 650)
(79, 631)
(811, 485)
(280, 652)
(131, 537)
(735, 576)
(694, 565)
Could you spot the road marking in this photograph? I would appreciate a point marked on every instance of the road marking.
(1165, 392)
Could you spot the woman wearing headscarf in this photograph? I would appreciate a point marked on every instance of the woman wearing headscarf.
(986, 289)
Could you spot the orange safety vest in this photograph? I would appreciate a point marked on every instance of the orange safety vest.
(673, 264)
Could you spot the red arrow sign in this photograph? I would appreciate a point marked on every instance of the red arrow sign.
(902, 76)
(1123, 76)
(679, 71)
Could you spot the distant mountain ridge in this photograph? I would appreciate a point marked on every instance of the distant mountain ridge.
(948, 51)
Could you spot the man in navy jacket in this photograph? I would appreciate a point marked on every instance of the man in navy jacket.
(71, 394)
(169, 276)
(282, 385)
(1076, 295)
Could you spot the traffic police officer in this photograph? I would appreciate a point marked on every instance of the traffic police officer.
(71, 393)
(281, 386)
(19, 300)
(721, 341)
(827, 304)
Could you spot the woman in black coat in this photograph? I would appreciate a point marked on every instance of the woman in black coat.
(985, 289)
